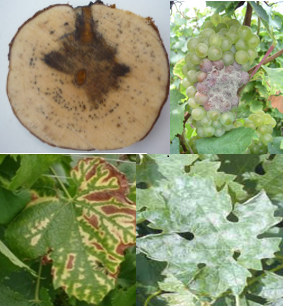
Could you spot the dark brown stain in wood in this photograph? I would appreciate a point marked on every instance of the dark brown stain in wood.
(87, 56)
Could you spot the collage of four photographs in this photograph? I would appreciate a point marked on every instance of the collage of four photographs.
(98, 206)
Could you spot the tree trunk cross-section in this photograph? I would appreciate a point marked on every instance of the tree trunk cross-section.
(93, 77)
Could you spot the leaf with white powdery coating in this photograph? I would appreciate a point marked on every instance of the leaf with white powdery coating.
(272, 180)
(192, 204)
(84, 236)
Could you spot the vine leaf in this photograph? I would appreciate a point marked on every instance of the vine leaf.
(85, 236)
(9, 297)
(8, 254)
(271, 288)
(179, 295)
(177, 112)
(271, 181)
(225, 249)
(210, 169)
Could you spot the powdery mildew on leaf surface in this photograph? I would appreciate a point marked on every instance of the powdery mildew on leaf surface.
(85, 236)
(226, 249)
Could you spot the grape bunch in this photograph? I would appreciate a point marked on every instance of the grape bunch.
(216, 67)
(263, 124)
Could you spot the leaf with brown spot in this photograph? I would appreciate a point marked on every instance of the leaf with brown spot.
(84, 236)
(277, 102)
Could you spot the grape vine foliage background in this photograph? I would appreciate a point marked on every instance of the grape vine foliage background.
(210, 230)
(67, 230)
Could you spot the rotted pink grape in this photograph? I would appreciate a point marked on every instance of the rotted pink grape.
(202, 88)
(205, 65)
(218, 64)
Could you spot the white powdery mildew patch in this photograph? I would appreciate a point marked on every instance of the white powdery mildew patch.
(223, 86)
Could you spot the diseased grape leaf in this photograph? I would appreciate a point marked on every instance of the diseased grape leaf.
(210, 169)
(179, 295)
(156, 167)
(85, 236)
(271, 287)
(174, 146)
(192, 204)
(127, 297)
(272, 180)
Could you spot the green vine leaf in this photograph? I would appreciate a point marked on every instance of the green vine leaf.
(225, 249)
(85, 236)
(272, 287)
(271, 181)
(8, 254)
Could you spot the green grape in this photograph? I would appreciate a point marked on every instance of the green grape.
(214, 53)
(266, 138)
(213, 115)
(194, 58)
(205, 41)
(201, 98)
(192, 77)
(205, 121)
(192, 103)
(241, 45)
(192, 43)
(233, 36)
(260, 112)
(196, 123)
(228, 127)
(262, 151)
(201, 76)
(238, 124)
(185, 69)
(191, 91)
(244, 32)
(227, 118)
(221, 26)
(255, 149)
(215, 40)
(246, 66)
(252, 54)
(259, 135)
(186, 83)
(265, 129)
(208, 131)
(233, 22)
(187, 57)
(216, 124)
(200, 131)
(208, 24)
(273, 122)
(190, 66)
(253, 41)
(225, 19)
(215, 19)
(198, 113)
(250, 124)
(248, 151)
(228, 58)
(219, 132)
(206, 33)
(267, 118)
(258, 121)
(201, 50)
(226, 44)
(241, 57)
(233, 49)
(234, 28)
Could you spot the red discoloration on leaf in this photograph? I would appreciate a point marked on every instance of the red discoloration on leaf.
(70, 263)
(111, 258)
(114, 275)
(122, 247)
(111, 209)
(92, 172)
(93, 221)
(97, 246)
